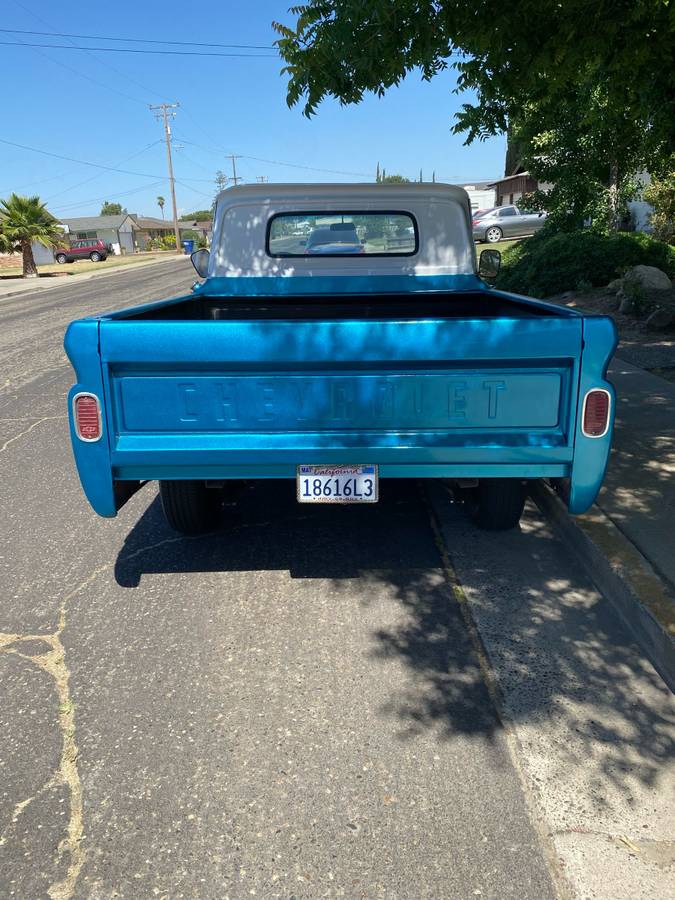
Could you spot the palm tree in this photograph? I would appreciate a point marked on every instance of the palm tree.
(160, 202)
(24, 220)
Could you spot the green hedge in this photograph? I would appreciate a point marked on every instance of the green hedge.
(550, 263)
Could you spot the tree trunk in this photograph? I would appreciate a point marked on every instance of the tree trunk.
(613, 198)
(29, 267)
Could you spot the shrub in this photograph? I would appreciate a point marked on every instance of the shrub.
(549, 263)
(661, 195)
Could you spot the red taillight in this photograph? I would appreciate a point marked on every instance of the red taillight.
(87, 415)
(596, 413)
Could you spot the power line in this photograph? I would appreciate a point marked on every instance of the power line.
(95, 37)
(277, 162)
(83, 162)
(99, 174)
(145, 187)
(145, 52)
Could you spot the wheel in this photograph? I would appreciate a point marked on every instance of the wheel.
(493, 234)
(497, 503)
(95, 257)
(189, 506)
(61, 258)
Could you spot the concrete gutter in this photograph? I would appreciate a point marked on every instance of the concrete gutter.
(621, 573)
(30, 286)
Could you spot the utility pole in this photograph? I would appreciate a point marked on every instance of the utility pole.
(235, 178)
(166, 111)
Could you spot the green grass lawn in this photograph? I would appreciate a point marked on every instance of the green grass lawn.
(85, 265)
(500, 245)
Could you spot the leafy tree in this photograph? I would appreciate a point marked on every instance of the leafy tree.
(532, 58)
(661, 195)
(393, 179)
(112, 209)
(24, 220)
(529, 48)
(587, 149)
(160, 202)
(6, 246)
(200, 215)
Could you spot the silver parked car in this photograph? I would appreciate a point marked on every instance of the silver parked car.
(492, 225)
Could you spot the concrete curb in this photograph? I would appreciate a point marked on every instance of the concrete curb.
(621, 573)
(38, 287)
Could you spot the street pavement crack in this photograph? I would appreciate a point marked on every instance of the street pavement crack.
(53, 662)
(28, 430)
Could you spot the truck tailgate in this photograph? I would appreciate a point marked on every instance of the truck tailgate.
(246, 398)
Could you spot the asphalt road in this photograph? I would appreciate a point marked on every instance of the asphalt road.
(312, 702)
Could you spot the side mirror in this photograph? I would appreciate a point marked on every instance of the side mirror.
(489, 263)
(200, 260)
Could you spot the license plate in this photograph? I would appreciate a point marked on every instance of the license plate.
(337, 484)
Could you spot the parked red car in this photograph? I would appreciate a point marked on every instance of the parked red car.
(92, 249)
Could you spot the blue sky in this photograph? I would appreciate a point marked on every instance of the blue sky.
(94, 107)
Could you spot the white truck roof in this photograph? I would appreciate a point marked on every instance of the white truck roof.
(442, 213)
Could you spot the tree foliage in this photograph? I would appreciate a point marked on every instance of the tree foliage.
(200, 215)
(112, 209)
(587, 149)
(534, 48)
(25, 220)
(661, 195)
(570, 78)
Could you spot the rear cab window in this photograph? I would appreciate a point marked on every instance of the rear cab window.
(342, 234)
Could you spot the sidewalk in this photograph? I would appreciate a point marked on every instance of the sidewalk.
(626, 541)
(30, 285)
(639, 489)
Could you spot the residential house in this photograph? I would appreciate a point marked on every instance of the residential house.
(511, 188)
(149, 228)
(203, 228)
(481, 194)
(117, 231)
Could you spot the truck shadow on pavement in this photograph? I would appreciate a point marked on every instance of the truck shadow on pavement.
(559, 650)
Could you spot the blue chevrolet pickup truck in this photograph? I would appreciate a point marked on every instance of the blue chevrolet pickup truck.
(342, 335)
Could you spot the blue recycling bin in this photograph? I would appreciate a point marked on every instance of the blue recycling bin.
(188, 246)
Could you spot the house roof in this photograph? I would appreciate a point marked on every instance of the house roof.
(510, 178)
(150, 222)
(478, 185)
(93, 223)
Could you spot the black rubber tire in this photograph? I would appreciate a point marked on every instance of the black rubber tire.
(497, 234)
(95, 257)
(61, 258)
(190, 507)
(497, 503)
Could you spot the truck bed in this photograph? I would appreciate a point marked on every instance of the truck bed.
(442, 305)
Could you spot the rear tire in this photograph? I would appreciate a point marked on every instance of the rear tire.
(61, 258)
(189, 506)
(493, 234)
(497, 503)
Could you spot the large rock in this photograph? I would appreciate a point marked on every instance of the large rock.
(661, 319)
(647, 278)
(626, 304)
